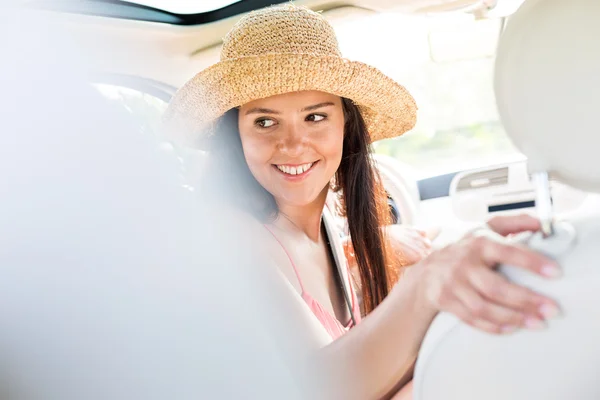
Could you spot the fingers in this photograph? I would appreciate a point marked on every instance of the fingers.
(488, 315)
(474, 309)
(498, 289)
(433, 233)
(493, 253)
(423, 240)
(408, 244)
(507, 225)
(463, 281)
(464, 314)
(416, 243)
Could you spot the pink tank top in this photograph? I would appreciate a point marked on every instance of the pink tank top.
(331, 324)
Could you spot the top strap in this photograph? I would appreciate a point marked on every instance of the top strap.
(289, 257)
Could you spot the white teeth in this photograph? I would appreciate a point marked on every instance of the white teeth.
(295, 170)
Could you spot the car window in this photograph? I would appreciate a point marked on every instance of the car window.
(446, 61)
(145, 108)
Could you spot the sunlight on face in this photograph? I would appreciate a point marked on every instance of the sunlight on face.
(293, 144)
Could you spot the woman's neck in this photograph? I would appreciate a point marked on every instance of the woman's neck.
(306, 219)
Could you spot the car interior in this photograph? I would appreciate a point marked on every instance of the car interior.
(542, 52)
(453, 171)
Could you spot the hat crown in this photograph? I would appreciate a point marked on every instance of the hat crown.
(284, 29)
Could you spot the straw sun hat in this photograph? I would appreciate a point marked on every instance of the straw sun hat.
(282, 49)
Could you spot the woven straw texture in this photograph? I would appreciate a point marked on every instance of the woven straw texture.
(284, 49)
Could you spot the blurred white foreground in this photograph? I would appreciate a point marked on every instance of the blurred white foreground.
(115, 283)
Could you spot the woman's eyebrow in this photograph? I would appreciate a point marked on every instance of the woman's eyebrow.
(258, 110)
(315, 106)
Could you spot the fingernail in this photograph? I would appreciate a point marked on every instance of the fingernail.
(549, 311)
(534, 324)
(551, 271)
(508, 328)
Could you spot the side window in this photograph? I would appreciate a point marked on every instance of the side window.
(145, 108)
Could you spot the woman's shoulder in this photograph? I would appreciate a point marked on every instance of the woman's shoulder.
(274, 269)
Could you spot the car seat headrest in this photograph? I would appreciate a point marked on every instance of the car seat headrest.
(547, 88)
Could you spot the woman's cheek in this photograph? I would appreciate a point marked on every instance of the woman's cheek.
(256, 151)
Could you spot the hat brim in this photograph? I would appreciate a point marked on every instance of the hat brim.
(386, 106)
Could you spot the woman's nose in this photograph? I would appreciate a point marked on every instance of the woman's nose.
(293, 141)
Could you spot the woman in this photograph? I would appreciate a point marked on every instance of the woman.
(287, 114)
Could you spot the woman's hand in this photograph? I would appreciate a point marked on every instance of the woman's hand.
(461, 279)
(406, 244)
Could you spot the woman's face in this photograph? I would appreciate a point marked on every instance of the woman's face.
(293, 144)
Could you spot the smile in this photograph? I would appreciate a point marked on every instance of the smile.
(295, 170)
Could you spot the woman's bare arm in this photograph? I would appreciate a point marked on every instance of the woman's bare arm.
(376, 357)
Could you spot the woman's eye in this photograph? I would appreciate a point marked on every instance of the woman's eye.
(315, 117)
(264, 123)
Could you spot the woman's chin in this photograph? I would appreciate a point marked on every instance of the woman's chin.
(298, 201)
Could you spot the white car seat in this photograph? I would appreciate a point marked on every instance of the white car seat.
(548, 95)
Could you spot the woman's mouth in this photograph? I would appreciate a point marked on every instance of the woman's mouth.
(295, 171)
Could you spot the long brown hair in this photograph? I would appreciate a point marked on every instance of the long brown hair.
(363, 199)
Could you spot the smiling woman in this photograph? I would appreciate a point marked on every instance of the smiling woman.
(290, 118)
(267, 141)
